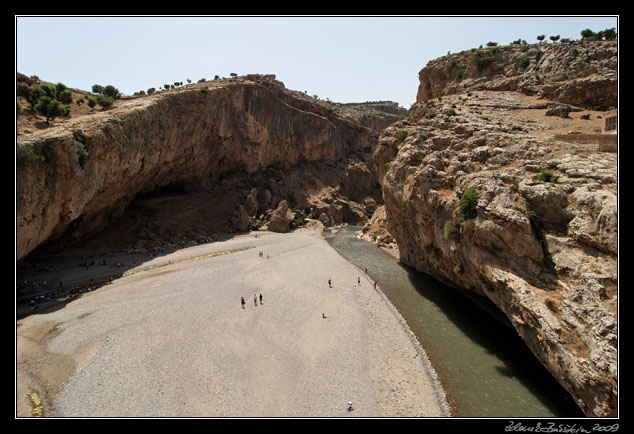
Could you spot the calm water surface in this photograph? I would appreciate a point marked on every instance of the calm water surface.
(483, 365)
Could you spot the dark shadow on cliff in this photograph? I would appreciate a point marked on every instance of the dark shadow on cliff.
(163, 220)
(47, 280)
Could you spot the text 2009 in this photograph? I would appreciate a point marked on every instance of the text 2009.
(607, 428)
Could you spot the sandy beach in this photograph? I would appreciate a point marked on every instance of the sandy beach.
(170, 338)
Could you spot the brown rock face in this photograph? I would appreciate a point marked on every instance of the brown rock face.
(374, 115)
(188, 139)
(582, 73)
(542, 248)
(281, 218)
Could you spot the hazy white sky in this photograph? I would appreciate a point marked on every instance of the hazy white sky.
(343, 58)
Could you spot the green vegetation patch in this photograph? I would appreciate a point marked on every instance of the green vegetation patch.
(26, 154)
(82, 153)
(524, 62)
(484, 62)
(468, 203)
(547, 176)
(401, 135)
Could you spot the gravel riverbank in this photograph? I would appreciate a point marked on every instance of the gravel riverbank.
(169, 338)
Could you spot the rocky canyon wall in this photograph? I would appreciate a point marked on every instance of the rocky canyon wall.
(539, 237)
(193, 138)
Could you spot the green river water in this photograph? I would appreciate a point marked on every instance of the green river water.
(485, 368)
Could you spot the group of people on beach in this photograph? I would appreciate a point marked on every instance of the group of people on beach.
(358, 281)
(255, 300)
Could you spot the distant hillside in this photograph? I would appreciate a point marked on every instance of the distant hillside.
(375, 115)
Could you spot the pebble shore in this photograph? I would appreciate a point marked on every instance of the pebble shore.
(169, 338)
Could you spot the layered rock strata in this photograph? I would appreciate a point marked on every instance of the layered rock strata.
(247, 133)
(581, 73)
(540, 241)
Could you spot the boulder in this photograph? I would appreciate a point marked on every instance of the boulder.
(561, 110)
(315, 225)
(369, 204)
(324, 219)
(281, 218)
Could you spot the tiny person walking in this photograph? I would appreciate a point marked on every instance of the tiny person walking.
(242, 302)
(329, 283)
(255, 300)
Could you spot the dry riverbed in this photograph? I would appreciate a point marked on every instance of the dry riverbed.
(169, 338)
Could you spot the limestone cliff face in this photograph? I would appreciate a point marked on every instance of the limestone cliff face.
(188, 137)
(581, 73)
(544, 252)
(374, 115)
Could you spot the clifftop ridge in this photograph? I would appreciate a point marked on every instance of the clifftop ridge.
(581, 73)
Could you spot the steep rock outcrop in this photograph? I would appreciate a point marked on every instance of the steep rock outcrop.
(281, 218)
(581, 73)
(544, 252)
(189, 139)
